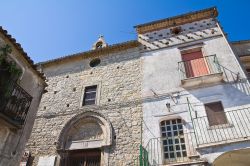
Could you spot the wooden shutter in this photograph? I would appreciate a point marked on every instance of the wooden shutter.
(215, 114)
(195, 64)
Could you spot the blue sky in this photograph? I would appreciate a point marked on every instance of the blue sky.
(49, 29)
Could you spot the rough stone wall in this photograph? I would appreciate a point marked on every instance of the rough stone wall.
(119, 87)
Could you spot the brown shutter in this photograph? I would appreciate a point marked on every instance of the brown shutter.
(215, 114)
(195, 64)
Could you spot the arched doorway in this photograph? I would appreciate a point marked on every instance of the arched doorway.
(233, 158)
(84, 140)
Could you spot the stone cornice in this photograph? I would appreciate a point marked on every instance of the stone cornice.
(94, 53)
(177, 20)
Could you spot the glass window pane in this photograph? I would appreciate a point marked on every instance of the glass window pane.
(168, 128)
(162, 123)
(166, 155)
(180, 127)
(174, 127)
(163, 134)
(184, 153)
(175, 133)
(179, 120)
(168, 122)
(176, 141)
(173, 121)
(183, 147)
(171, 148)
(177, 147)
(169, 134)
(90, 95)
(165, 142)
(166, 148)
(178, 154)
(163, 129)
(170, 141)
(90, 88)
(182, 140)
(172, 155)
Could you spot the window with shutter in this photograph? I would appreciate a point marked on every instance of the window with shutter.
(90, 95)
(215, 114)
(194, 63)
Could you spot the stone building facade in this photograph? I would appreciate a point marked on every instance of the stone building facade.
(19, 99)
(110, 126)
(179, 93)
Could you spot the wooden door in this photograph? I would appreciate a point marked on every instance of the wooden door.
(195, 64)
(83, 158)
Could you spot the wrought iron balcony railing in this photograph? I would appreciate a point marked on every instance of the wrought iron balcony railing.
(236, 128)
(206, 65)
(155, 152)
(14, 102)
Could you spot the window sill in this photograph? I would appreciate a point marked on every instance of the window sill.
(194, 82)
(222, 126)
(90, 106)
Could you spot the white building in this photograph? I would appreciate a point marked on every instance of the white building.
(196, 107)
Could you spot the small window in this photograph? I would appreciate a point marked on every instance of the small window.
(94, 62)
(176, 30)
(89, 97)
(215, 114)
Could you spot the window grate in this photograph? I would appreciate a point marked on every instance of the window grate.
(173, 139)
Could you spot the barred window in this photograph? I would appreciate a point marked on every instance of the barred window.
(173, 139)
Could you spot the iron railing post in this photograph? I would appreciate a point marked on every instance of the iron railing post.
(189, 109)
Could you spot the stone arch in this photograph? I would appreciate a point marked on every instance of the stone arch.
(170, 117)
(93, 129)
(238, 157)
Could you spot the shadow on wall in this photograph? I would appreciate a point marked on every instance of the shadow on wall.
(231, 95)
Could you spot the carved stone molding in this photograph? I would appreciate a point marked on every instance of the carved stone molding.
(84, 131)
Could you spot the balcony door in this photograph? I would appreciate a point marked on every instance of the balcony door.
(194, 63)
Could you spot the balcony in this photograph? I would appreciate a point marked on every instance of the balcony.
(14, 103)
(182, 148)
(201, 71)
(235, 129)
